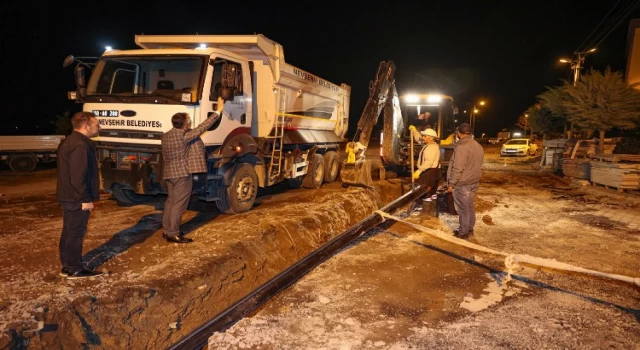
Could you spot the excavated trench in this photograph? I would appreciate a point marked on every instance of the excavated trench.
(157, 293)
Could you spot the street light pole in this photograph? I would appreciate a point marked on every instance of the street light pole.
(472, 118)
(576, 66)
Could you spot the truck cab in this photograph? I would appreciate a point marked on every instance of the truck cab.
(134, 96)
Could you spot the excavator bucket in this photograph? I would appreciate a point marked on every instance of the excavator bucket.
(356, 174)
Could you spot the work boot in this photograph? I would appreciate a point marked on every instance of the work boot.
(178, 239)
(83, 274)
(463, 236)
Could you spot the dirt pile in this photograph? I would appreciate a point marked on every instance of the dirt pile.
(154, 293)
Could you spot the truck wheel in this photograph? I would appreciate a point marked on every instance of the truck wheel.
(241, 193)
(128, 197)
(315, 174)
(23, 163)
(331, 166)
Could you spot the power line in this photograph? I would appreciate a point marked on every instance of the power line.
(581, 47)
(613, 23)
(616, 22)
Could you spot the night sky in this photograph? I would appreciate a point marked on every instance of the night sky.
(504, 52)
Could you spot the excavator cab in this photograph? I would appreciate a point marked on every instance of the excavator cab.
(422, 111)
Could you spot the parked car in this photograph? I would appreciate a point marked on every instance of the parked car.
(519, 147)
(495, 140)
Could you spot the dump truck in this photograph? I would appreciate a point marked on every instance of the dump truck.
(280, 123)
(23, 153)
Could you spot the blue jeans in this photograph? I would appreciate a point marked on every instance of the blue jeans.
(463, 198)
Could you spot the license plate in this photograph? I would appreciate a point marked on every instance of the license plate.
(106, 113)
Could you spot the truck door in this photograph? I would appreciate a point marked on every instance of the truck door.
(236, 117)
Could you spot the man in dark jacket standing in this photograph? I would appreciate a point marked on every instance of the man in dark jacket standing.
(463, 177)
(179, 163)
(77, 189)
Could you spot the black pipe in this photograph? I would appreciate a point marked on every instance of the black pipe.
(198, 338)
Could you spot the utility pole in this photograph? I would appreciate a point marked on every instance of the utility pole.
(576, 66)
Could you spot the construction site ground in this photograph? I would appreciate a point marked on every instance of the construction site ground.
(398, 287)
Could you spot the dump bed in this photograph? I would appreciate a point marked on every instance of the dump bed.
(253, 47)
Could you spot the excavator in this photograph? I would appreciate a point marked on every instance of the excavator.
(394, 142)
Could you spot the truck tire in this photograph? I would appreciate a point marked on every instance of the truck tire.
(240, 195)
(315, 174)
(331, 166)
(128, 197)
(23, 163)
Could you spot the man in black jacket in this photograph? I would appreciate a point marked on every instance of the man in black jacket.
(77, 189)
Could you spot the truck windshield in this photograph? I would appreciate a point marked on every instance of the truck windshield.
(140, 76)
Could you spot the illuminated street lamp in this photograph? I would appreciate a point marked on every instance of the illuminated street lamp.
(472, 117)
(577, 63)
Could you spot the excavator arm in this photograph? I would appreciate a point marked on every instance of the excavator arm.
(378, 97)
(356, 170)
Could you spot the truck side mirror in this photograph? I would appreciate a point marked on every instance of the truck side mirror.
(228, 75)
(80, 81)
(232, 78)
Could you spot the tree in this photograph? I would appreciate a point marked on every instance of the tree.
(542, 121)
(62, 124)
(523, 123)
(601, 101)
(552, 101)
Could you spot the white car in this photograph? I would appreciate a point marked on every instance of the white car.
(519, 147)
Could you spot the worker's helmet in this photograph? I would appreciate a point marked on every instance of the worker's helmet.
(429, 132)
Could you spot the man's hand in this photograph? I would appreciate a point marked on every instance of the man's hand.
(87, 206)
(413, 128)
(416, 174)
(219, 105)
